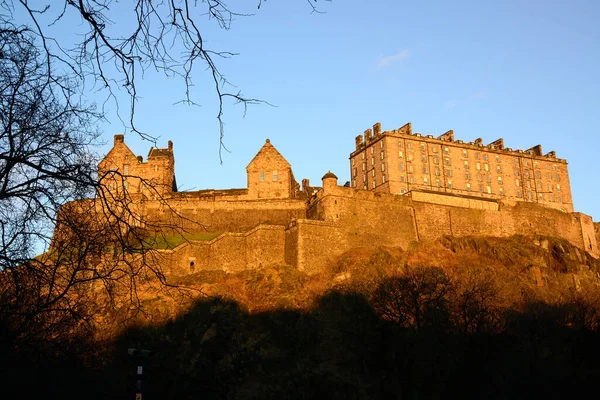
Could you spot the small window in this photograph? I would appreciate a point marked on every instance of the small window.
(354, 172)
(449, 184)
(411, 179)
(486, 167)
(500, 180)
(465, 154)
(558, 188)
(399, 144)
(477, 155)
(467, 175)
(437, 182)
(402, 178)
(489, 190)
(515, 161)
(424, 169)
(372, 150)
(549, 176)
(274, 175)
(410, 168)
(126, 169)
(434, 149)
(488, 179)
(422, 146)
(536, 164)
(538, 174)
(557, 178)
(466, 164)
(400, 154)
(480, 188)
(516, 171)
(126, 185)
(479, 177)
(363, 155)
(402, 191)
(381, 144)
(372, 161)
(497, 158)
(364, 166)
(425, 181)
(423, 158)
(499, 169)
(383, 166)
(262, 176)
(383, 179)
(485, 157)
(448, 162)
(540, 196)
(478, 167)
(559, 199)
(353, 161)
(549, 187)
(517, 182)
(409, 145)
(374, 184)
(518, 193)
(409, 156)
(530, 195)
(373, 171)
(449, 173)
(437, 171)
(111, 186)
(468, 187)
(435, 159)
(382, 153)
(501, 191)
(401, 166)
(446, 150)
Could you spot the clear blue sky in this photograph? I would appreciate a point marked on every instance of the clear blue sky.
(526, 70)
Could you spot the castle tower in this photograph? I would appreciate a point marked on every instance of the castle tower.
(270, 175)
(122, 172)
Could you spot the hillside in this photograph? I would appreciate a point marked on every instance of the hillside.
(494, 318)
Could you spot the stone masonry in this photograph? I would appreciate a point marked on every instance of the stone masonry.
(405, 187)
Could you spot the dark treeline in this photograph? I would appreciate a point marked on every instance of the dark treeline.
(418, 335)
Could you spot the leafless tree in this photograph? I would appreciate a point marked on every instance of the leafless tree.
(165, 36)
(417, 298)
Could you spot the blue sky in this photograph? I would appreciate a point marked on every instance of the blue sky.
(527, 71)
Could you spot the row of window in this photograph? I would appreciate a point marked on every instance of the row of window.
(275, 175)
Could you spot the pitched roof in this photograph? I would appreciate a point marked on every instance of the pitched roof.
(268, 149)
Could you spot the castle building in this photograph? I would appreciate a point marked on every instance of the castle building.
(405, 187)
(401, 162)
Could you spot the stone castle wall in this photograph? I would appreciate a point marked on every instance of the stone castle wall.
(261, 246)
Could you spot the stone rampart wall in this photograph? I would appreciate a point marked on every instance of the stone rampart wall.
(224, 216)
(231, 252)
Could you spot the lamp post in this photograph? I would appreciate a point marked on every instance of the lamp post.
(139, 356)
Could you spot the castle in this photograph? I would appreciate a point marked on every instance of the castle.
(404, 187)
